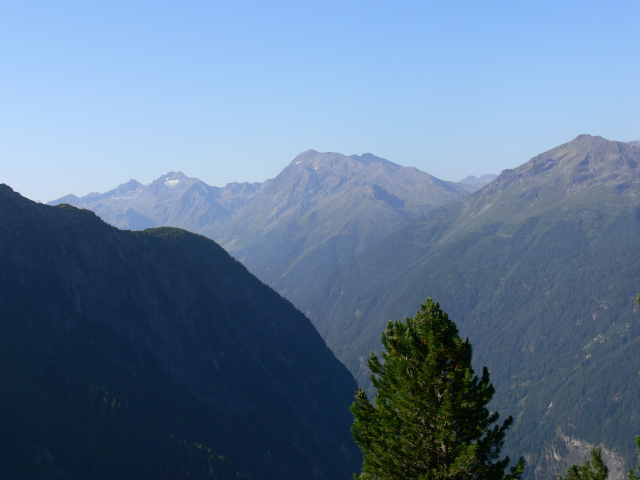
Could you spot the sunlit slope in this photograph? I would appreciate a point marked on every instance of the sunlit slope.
(540, 269)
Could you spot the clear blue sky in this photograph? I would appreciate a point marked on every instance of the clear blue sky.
(95, 93)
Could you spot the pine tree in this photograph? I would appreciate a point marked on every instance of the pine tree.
(631, 475)
(591, 470)
(429, 419)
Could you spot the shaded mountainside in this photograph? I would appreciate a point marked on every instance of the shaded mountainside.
(150, 354)
(292, 230)
(540, 270)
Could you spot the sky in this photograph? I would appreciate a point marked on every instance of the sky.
(93, 94)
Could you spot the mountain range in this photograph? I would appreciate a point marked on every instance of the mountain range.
(321, 211)
(540, 269)
(155, 354)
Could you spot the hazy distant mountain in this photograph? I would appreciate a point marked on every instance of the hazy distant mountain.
(473, 183)
(173, 199)
(139, 355)
(322, 210)
(540, 269)
(318, 213)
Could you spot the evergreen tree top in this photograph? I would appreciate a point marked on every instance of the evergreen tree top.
(429, 419)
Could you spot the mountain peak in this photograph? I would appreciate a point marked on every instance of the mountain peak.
(586, 137)
(171, 180)
(369, 158)
(4, 188)
(127, 187)
(303, 156)
(582, 162)
(318, 160)
(482, 180)
(589, 141)
(7, 193)
(171, 176)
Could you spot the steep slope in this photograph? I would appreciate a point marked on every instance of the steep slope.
(138, 354)
(290, 231)
(540, 269)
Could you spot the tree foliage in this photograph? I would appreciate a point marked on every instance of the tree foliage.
(596, 468)
(591, 470)
(631, 475)
(429, 419)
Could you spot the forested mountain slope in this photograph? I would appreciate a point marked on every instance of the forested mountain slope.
(292, 230)
(149, 354)
(540, 270)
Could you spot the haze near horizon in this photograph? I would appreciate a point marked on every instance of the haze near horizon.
(95, 94)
